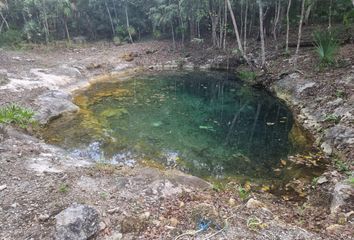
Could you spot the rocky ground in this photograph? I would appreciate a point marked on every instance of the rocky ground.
(45, 193)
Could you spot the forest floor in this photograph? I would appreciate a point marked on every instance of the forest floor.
(37, 181)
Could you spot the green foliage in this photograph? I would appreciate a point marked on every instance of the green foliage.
(341, 166)
(333, 118)
(11, 38)
(64, 188)
(219, 186)
(14, 114)
(340, 94)
(326, 46)
(123, 33)
(247, 75)
(243, 193)
(351, 180)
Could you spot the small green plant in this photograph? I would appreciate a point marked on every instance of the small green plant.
(254, 223)
(104, 195)
(64, 188)
(247, 75)
(314, 181)
(243, 193)
(341, 166)
(351, 180)
(326, 46)
(218, 186)
(14, 114)
(332, 118)
(340, 94)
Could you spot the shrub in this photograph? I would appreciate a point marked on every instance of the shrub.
(14, 114)
(11, 38)
(326, 46)
(247, 75)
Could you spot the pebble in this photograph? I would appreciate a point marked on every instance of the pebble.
(173, 222)
(322, 180)
(145, 216)
(3, 187)
(43, 217)
(253, 204)
(232, 202)
(102, 226)
(334, 228)
(115, 236)
(114, 210)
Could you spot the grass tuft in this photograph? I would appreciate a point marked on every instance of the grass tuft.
(17, 115)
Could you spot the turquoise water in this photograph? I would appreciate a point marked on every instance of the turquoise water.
(205, 123)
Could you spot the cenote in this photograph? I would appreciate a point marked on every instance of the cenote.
(205, 123)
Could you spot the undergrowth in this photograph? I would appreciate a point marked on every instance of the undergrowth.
(17, 115)
(326, 47)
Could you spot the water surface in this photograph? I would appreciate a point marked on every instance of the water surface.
(206, 123)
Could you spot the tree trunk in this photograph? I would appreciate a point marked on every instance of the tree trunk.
(45, 22)
(235, 28)
(173, 36)
(330, 15)
(276, 21)
(225, 24)
(245, 29)
(110, 19)
(300, 32)
(127, 20)
(308, 12)
(261, 31)
(287, 27)
(4, 21)
(221, 24)
(67, 30)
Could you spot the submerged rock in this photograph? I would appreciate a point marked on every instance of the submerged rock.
(78, 222)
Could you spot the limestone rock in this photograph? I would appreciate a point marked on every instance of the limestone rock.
(3, 187)
(343, 194)
(115, 236)
(53, 104)
(334, 228)
(327, 149)
(78, 222)
(254, 204)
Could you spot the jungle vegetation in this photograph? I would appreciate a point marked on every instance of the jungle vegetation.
(215, 21)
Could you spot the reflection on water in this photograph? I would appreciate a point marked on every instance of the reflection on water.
(206, 123)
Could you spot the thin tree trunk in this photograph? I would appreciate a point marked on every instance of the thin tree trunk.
(287, 27)
(236, 29)
(110, 19)
(308, 12)
(261, 31)
(173, 36)
(45, 22)
(127, 20)
(300, 32)
(245, 29)
(225, 24)
(221, 26)
(276, 21)
(330, 15)
(67, 31)
(4, 21)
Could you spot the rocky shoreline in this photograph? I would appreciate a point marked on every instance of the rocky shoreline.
(41, 186)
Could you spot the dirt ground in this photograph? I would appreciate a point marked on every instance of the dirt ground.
(37, 181)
